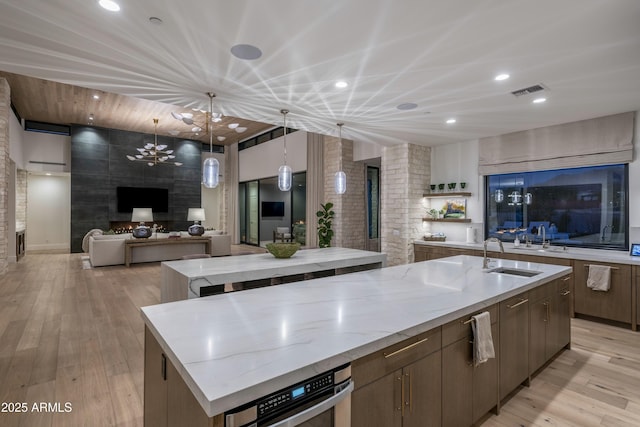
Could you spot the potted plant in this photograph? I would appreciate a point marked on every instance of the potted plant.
(325, 217)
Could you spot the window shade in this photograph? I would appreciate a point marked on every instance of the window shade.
(600, 141)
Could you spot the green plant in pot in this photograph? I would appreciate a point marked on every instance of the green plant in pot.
(325, 217)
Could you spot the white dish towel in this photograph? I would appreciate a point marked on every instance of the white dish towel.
(482, 341)
(599, 277)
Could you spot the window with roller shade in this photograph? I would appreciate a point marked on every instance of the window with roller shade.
(581, 207)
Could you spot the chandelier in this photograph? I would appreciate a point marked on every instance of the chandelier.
(154, 154)
(199, 124)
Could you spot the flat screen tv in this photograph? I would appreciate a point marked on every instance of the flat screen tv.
(272, 209)
(142, 197)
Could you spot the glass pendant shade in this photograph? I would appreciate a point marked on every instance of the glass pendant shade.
(340, 182)
(499, 196)
(284, 178)
(210, 171)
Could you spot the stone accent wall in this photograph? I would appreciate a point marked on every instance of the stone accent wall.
(5, 114)
(21, 199)
(99, 165)
(405, 173)
(349, 225)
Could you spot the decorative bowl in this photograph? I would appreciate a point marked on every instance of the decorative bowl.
(282, 249)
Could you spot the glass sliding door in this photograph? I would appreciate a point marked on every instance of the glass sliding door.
(299, 207)
(248, 202)
(253, 213)
(242, 211)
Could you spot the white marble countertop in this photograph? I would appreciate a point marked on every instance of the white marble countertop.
(202, 272)
(602, 255)
(213, 271)
(236, 347)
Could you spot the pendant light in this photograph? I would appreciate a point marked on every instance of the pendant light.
(211, 166)
(340, 180)
(284, 173)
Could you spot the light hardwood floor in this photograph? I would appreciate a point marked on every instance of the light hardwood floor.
(69, 335)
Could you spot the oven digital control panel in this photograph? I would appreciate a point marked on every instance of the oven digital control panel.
(291, 395)
(297, 397)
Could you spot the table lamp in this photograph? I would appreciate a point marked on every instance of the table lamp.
(142, 215)
(196, 215)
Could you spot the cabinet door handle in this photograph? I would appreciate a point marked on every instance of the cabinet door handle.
(566, 278)
(163, 367)
(522, 301)
(386, 356)
(401, 407)
(402, 397)
(410, 402)
(597, 265)
(565, 292)
(546, 311)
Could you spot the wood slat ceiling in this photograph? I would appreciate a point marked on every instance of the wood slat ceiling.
(59, 103)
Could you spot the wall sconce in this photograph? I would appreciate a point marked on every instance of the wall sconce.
(499, 196)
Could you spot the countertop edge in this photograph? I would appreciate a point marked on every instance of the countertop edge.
(581, 254)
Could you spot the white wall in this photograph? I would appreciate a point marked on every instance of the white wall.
(48, 212)
(366, 151)
(15, 141)
(634, 186)
(263, 160)
(457, 163)
(46, 147)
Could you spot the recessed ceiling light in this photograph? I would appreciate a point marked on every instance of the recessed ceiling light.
(233, 125)
(341, 84)
(501, 77)
(48, 174)
(407, 106)
(91, 117)
(96, 96)
(246, 51)
(539, 100)
(110, 5)
(221, 138)
(451, 121)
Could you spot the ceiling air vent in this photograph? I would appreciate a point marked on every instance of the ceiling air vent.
(528, 90)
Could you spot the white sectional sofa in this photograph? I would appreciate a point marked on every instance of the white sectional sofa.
(108, 249)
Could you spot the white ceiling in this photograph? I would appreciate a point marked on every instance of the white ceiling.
(440, 54)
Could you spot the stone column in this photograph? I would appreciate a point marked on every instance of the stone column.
(21, 199)
(5, 114)
(349, 225)
(405, 173)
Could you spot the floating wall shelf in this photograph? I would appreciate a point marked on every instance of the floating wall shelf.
(447, 219)
(446, 195)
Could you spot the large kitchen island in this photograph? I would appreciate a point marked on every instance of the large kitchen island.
(206, 356)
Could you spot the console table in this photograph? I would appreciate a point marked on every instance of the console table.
(130, 244)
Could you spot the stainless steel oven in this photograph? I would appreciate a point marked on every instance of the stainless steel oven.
(321, 401)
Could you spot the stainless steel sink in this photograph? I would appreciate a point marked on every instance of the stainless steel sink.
(515, 271)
